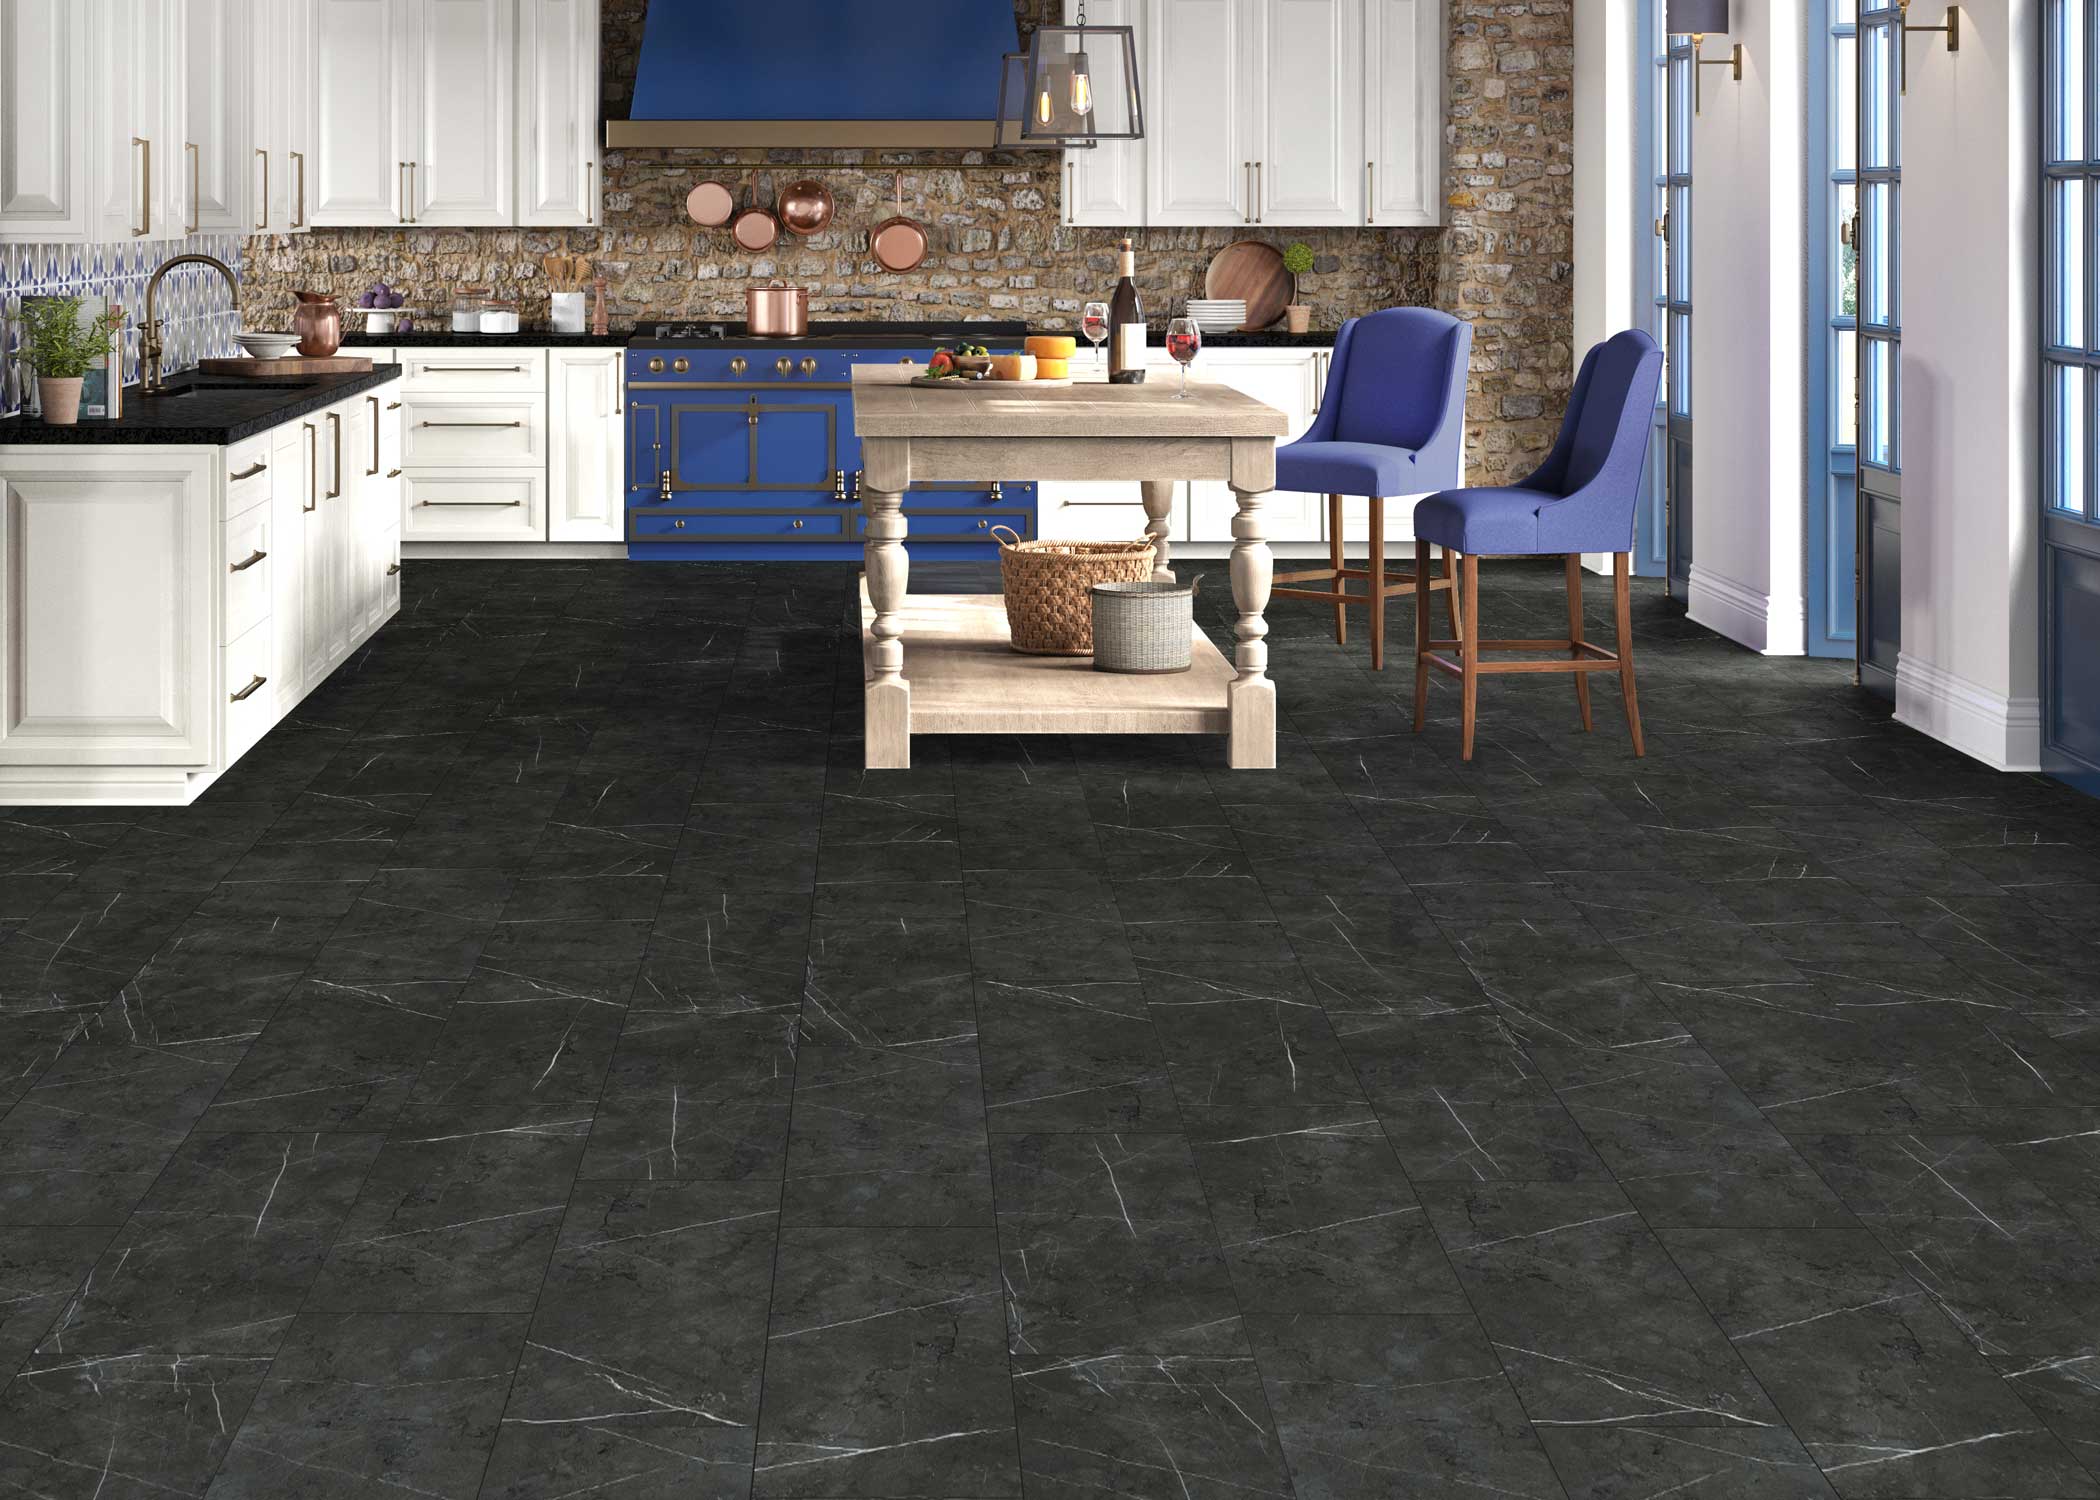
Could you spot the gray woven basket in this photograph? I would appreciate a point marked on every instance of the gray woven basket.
(1143, 627)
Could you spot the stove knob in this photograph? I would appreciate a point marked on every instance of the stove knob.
(739, 365)
(681, 365)
(656, 366)
(783, 365)
(809, 365)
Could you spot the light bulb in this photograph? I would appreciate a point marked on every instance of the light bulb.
(1082, 87)
(1042, 107)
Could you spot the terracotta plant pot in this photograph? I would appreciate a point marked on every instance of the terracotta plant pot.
(1297, 317)
(60, 399)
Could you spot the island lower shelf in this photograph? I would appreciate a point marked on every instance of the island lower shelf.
(966, 678)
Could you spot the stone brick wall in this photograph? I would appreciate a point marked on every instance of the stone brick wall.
(998, 249)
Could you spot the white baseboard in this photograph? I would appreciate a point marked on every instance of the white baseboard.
(1769, 626)
(2004, 733)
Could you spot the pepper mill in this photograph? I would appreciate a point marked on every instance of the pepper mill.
(598, 306)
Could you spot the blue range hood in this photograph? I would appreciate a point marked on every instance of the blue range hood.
(828, 73)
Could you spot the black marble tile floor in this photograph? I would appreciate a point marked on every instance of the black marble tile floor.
(548, 1066)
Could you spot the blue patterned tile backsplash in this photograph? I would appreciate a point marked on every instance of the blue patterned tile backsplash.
(196, 320)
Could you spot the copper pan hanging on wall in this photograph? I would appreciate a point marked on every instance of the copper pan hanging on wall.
(805, 206)
(899, 242)
(710, 204)
(754, 228)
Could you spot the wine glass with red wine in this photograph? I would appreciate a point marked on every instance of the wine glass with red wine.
(1184, 339)
(1093, 322)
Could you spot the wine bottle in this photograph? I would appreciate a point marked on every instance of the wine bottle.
(1126, 325)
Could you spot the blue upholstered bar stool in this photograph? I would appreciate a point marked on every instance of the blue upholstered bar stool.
(1392, 424)
(1581, 499)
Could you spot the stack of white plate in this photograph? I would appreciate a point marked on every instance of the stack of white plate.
(1218, 314)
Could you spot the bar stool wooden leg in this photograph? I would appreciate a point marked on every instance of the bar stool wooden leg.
(1377, 571)
(1582, 679)
(1622, 607)
(1451, 594)
(1334, 556)
(1469, 654)
(1425, 598)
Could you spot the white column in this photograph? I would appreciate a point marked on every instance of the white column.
(1750, 156)
(1607, 154)
(1968, 673)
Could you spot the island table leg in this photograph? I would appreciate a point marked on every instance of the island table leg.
(886, 720)
(1251, 696)
(1159, 506)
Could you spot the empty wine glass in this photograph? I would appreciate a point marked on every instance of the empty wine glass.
(1183, 340)
(1093, 322)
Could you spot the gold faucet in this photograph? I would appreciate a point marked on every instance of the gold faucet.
(149, 331)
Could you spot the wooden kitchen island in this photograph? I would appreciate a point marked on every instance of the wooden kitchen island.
(963, 678)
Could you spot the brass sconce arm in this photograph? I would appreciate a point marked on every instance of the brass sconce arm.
(1733, 62)
(1950, 27)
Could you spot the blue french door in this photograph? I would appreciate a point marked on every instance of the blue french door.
(2070, 529)
(1673, 304)
(1832, 529)
(1878, 512)
(1651, 520)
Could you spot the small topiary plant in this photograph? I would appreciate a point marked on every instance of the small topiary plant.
(1298, 258)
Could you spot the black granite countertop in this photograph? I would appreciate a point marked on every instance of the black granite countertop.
(1266, 338)
(445, 338)
(225, 409)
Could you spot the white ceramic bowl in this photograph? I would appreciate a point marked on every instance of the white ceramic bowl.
(267, 345)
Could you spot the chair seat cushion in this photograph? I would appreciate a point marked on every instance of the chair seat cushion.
(1483, 520)
(1348, 469)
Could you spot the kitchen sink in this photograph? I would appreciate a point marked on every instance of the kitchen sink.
(219, 387)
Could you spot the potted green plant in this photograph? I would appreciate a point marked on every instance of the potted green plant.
(61, 349)
(1298, 260)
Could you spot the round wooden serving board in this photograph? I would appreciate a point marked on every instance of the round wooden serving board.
(1253, 271)
(931, 382)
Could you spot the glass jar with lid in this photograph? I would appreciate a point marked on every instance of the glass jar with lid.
(467, 305)
(499, 315)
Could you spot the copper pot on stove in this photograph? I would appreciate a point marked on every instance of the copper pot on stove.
(777, 311)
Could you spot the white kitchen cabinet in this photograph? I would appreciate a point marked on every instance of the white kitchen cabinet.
(1404, 127)
(461, 70)
(585, 500)
(1199, 116)
(1283, 378)
(135, 97)
(362, 124)
(557, 113)
(218, 98)
(1307, 97)
(280, 158)
(294, 471)
(46, 191)
(1105, 182)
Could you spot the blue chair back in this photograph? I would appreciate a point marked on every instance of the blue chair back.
(1604, 436)
(1403, 372)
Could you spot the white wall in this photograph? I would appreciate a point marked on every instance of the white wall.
(1607, 140)
(1971, 425)
(1748, 343)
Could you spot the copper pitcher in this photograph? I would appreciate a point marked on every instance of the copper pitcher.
(319, 323)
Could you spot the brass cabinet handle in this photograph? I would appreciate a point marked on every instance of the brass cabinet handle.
(393, 406)
(392, 568)
(249, 473)
(145, 187)
(474, 504)
(313, 467)
(247, 562)
(470, 424)
(795, 525)
(393, 473)
(195, 208)
(1247, 187)
(1370, 196)
(401, 186)
(335, 425)
(249, 690)
(299, 178)
(1257, 192)
(412, 194)
(438, 369)
(263, 202)
(375, 437)
(984, 525)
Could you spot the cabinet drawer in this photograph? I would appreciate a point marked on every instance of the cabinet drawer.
(427, 370)
(956, 525)
(390, 575)
(247, 577)
(737, 526)
(457, 433)
(248, 694)
(247, 475)
(495, 507)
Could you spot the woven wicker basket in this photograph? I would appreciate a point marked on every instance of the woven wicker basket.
(1049, 611)
(1143, 627)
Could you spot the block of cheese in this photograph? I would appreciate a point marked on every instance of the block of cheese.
(1051, 346)
(1047, 368)
(1013, 367)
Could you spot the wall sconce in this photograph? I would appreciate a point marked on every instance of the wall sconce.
(1696, 18)
(1950, 26)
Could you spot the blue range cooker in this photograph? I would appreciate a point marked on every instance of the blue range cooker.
(743, 448)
